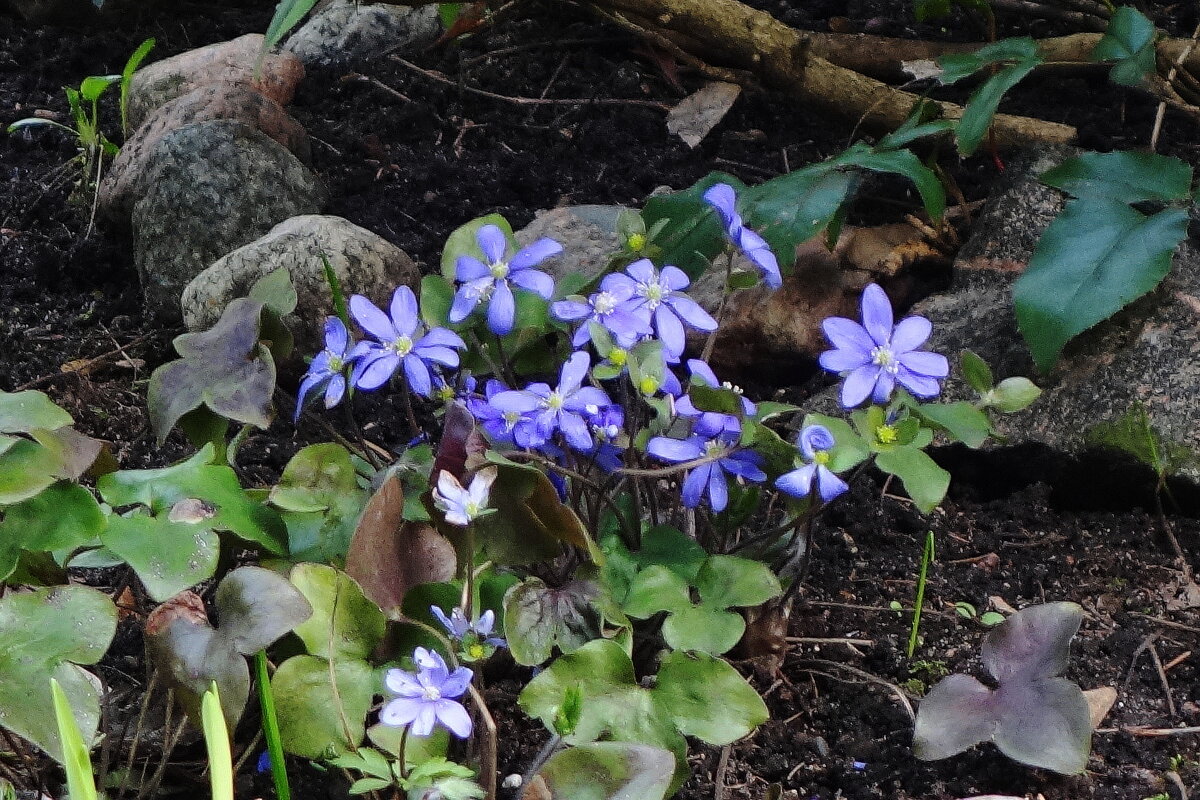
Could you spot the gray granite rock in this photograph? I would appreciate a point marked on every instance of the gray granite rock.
(211, 187)
(364, 263)
(1148, 353)
(346, 31)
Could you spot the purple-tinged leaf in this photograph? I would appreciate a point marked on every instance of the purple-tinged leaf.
(1033, 643)
(1045, 723)
(957, 714)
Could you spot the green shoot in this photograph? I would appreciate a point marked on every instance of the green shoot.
(76, 760)
(287, 16)
(271, 727)
(216, 740)
(926, 557)
(131, 67)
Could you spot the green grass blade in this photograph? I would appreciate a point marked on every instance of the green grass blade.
(926, 557)
(131, 66)
(271, 727)
(76, 760)
(216, 740)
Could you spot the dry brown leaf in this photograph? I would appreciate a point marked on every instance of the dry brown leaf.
(1100, 701)
(701, 111)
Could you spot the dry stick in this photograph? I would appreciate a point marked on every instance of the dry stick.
(1147, 731)
(36, 382)
(1177, 660)
(1162, 106)
(1162, 678)
(137, 733)
(1174, 778)
(896, 690)
(829, 640)
(487, 771)
(1179, 626)
(355, 77)
(1079, 19)
(719, 779)
(532, 101)
(156, 779)
(739, 37)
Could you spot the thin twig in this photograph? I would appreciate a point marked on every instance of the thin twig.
(487, 767)
(719, 779)
(829, 640)
(1162, 106)
(1179, 626)
(532, 101)
(82, 368)
(1162, 677)
(896, 690)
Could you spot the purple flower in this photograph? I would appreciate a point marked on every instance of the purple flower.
(721, 197)
(561, 408)
(710, 478)
(428, 697)
(463, 506)
(815, 443)
(329, 365)
(607, 425)
(476, 637)
(875, 356)
(489, 281)
(498, 425)
(609, 308)
(661, 297)
(400, 339)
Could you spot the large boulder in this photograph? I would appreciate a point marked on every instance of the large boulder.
(125, 180)
(1148, 353)
(233, 61)
(211, 187)
(363, 262)
(347, 31)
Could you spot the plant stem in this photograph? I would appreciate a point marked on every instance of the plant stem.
(487, 766)
(926, 557)
(270, 723)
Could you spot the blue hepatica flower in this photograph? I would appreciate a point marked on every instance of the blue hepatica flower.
(464, 506)
(428, 697)
(815, 443)
(400, 340)
(328, 367)
(660, 296)
(875, 356)
(561, 408)
(710, 478)
(722, 197)
(475, 637)
(607, 425)
(608, 307)
(498, 425)
(489, 282)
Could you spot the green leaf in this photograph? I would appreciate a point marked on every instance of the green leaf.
(704, 629)
(538, 618)
(1130, 177)
(167, 556)
(95, 85)
(976, 372)
(656, 588)
(1133, 433)
(689, 231)
(930, 9)
(925, 482)
(728, 582)
(1096, 258)
(686, 687)
(906, 163)
(257, 608)
(196, 479)
(225, 368)
(315, 478)
(131, 66)
(849, 449)
(1020, 56)
(275, 291)
(287, 16)
(609, 771)
(437, 295)
(673, 549)
(1012, 395)
(62, 517)
(1129, 42)
(448, 13)
(462, 242)
(22, 412)
(315, 721)
(44, 634)
(793, 208)
(76, 758)
(962, 420)
(344, 623)
(26, 469)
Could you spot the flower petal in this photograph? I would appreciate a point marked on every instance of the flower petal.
(877, 314)
(922, 386)
(586, 396)
(309, 383)
(337, 338)
(722, 197)
(405, 316)
(910, 333)
(372, 320)
(502, 311)
(335, 390)
(417, 374)
(401, 711)
(522, 402)
(829, 484)
(643, 271)
(691, 313)
(674, 278)
(492, 242)
(742, 465)
(858, 385)
(843, 360)
(675, 450)
(373, 372)
(573, 372)
(441, 337)
(718, 489)
(534, 281)
(455, 717)
(670, 330)
(575, 430)
(402, 683)
(426, 718)
(694, 484)
(470, 268)
(465, 300)
(923, 362)
(884, 385)
(456, 683)
(534, 254)
(440, 355)
(846, 334)
(570, 310)
(798, 482)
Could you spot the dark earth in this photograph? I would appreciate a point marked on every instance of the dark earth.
(1020, 527)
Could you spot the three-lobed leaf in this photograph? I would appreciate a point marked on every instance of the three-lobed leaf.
(1129, 43)
(1016, 58)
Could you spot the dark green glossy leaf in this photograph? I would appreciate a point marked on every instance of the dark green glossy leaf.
(1127, 176)
(609, 771)
(538, 618)
(1018, 57)
(1129, 42)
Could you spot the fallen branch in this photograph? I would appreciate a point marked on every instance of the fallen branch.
(733, 35)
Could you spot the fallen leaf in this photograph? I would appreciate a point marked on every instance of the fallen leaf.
(701, 111)
(1001, 605)
(1099, 702)
(922, 69)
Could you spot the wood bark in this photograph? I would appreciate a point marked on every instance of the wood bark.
(732, 35)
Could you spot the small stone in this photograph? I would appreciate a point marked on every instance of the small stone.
(123, 183)
(211, 187)
(347, 31)
(364, 263)
(156, 84)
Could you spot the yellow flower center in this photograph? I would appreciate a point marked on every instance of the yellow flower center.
(821, 457)
(637, 242)
(499, 270)
(886, 434)
(401, 346)
(476, 651)
(648, 385)
(883, 358)
(618, 356)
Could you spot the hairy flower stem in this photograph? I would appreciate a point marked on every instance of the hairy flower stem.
(468, 597)
(406, 393)
(403, 751)
(721, 307)
(497, 371)
(508, 375)
(487, 762)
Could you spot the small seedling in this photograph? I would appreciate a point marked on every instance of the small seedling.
(926, 557)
